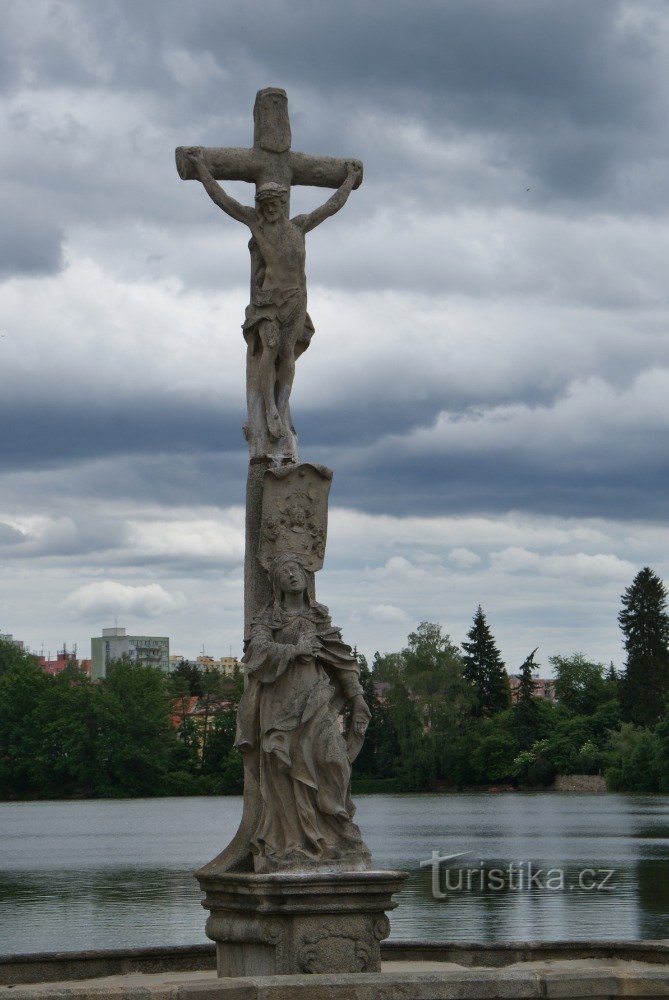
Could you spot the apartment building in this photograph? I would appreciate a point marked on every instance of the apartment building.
(115, 643)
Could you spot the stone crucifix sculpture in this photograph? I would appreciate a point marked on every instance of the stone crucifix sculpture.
(301, 678)
(277, 327)
(279, 515)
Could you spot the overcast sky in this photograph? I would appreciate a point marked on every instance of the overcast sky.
(489, 377)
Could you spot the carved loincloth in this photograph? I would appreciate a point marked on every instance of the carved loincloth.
(282, 307)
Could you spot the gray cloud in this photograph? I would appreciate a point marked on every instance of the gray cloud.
(108, 598)
(491, 308)
(10, 535)
(47, 435)
(32, 238)
(568, 97)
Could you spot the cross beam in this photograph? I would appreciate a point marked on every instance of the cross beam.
(270, 158)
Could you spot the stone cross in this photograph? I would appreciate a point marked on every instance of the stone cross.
(270, 159)
(300, 675)
(277, 327)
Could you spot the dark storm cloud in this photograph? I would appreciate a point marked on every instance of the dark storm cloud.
(380, 478)
(531, 50)
(554, 109)
(176, 453)
(569, 94)
(38, 435)
(494, 484)
(569, 88)
(71, 430)
(66, 538)
(565, 100)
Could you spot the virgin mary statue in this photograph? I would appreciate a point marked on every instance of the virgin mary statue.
(299, 677)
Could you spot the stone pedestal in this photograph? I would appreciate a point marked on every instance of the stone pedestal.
(288, 923)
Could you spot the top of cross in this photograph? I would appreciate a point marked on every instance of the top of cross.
(270, 159)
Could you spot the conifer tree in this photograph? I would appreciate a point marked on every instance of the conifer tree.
(484, 669)
(526, 709)
(644, 622)
(380, 753)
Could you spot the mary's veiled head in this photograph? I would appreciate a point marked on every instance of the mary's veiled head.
(288, 576)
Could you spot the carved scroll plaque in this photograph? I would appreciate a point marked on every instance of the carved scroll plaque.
(295, 514)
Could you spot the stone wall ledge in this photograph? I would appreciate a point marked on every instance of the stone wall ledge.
(595, 979)
(55, 967)
(580, 784)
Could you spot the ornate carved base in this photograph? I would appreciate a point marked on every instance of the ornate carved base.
(288, 923)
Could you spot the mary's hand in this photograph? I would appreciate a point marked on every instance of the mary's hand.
(307, 646)
(361, 715)
(359, 721)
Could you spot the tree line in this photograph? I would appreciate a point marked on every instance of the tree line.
(129, 734)
(442, 718)
(446, 719)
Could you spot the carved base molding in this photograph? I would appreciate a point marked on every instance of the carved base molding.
(288, 923)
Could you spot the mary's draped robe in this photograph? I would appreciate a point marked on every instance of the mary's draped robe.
(290, 713)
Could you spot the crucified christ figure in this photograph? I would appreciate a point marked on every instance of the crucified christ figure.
(277, 327)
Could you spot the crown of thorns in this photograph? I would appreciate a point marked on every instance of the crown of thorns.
(270, 190)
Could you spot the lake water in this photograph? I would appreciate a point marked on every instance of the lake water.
(117, 873)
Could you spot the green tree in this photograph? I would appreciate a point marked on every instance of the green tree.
(215, 688)
(526, 709)
(533, 766)
(22, 686)
(179, 691)
(590, 759)
(484, 669)
(387, 668)
(136, 745)
(662, 732)
(188, 674)
(612, 677)
(493, 749)
(575, 743)
(580, 685)
(645, 626)
(429, 702)
(636, 756)
(186, 752)
(220, 740)
(14, 658)
(432, 669)
(222, 764)
(379, 756)
(65, 761)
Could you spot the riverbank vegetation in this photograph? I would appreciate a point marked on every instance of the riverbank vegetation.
(130, 734)
(443, 717)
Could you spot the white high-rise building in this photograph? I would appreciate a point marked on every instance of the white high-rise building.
(114, 644)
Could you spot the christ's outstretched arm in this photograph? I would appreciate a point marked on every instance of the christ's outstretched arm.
(241, 213)
(333, 204)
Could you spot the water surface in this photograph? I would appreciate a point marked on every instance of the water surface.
(117, 873)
